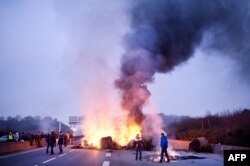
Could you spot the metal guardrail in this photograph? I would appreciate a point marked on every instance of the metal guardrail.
(217, 148)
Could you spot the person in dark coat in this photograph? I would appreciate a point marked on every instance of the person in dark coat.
(164, 147)
(65, 139)
(48, 143)
(138, 146)
(60, 141)
(52, 142)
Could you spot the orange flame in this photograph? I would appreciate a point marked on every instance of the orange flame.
(121, 132)
(100, 107)
(128, 133)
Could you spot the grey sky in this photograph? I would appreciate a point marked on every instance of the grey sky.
(203, 84)
(52, 52)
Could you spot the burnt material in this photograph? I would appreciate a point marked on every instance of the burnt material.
(106, 143)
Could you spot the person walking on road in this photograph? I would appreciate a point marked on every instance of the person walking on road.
(164, 147)
(138, 146)
(60, 141)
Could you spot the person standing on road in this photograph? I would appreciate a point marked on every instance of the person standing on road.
(60, 141)
(23, 136)
(10, 137)
(52, 142)
(138, 146)
(70, 138)
(164, 147)
(48, 143)
(16, 136)
(65, 139)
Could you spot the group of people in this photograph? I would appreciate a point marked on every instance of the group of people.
(36, 139)
(13, 137)
(63, 139)
(163, 143)
(31, 137)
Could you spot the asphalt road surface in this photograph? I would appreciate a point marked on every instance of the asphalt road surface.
(83, 157)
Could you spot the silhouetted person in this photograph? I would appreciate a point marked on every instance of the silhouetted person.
(60, 141)
(138, 146)
(38, 139)
(48, 143)
(164, 147)
(65, 139)
(70, 138)
(23, 136)
(31, 138)
(52, 142)
(16, 136)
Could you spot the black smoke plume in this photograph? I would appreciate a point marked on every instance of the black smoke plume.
(165, 33)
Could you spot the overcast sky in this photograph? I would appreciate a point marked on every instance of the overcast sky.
(53, 52)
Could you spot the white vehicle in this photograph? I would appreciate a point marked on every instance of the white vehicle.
(4, 138)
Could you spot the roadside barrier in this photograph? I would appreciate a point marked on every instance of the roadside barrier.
(9, 147)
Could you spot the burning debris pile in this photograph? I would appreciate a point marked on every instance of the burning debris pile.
(173, 155)
(108, 143)
(105, 143)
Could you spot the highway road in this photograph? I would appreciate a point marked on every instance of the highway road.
(83, 157)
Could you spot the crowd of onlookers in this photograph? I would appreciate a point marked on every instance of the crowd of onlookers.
(29, 136)
(35, 138)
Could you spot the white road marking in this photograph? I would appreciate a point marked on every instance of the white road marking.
(21, 153)
(105, 163)
(35, 165)
(71, 151)
(49, 160)
(62, 154)
(108, 154)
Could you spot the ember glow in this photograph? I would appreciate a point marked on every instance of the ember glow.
(117, 128)
(128, 133)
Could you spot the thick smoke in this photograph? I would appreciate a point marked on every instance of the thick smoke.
(165, 33)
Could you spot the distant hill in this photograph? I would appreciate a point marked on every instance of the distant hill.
(231, 128)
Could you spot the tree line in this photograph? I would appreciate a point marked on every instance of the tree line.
(231, 128)
(31, 124)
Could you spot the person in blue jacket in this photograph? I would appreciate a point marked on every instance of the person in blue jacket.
(164, 147)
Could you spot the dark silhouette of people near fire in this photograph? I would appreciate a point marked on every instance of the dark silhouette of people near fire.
(51, 142)
(66, 138)
(48, 144)
(164, 147)
(138, 146)
(60, 141)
